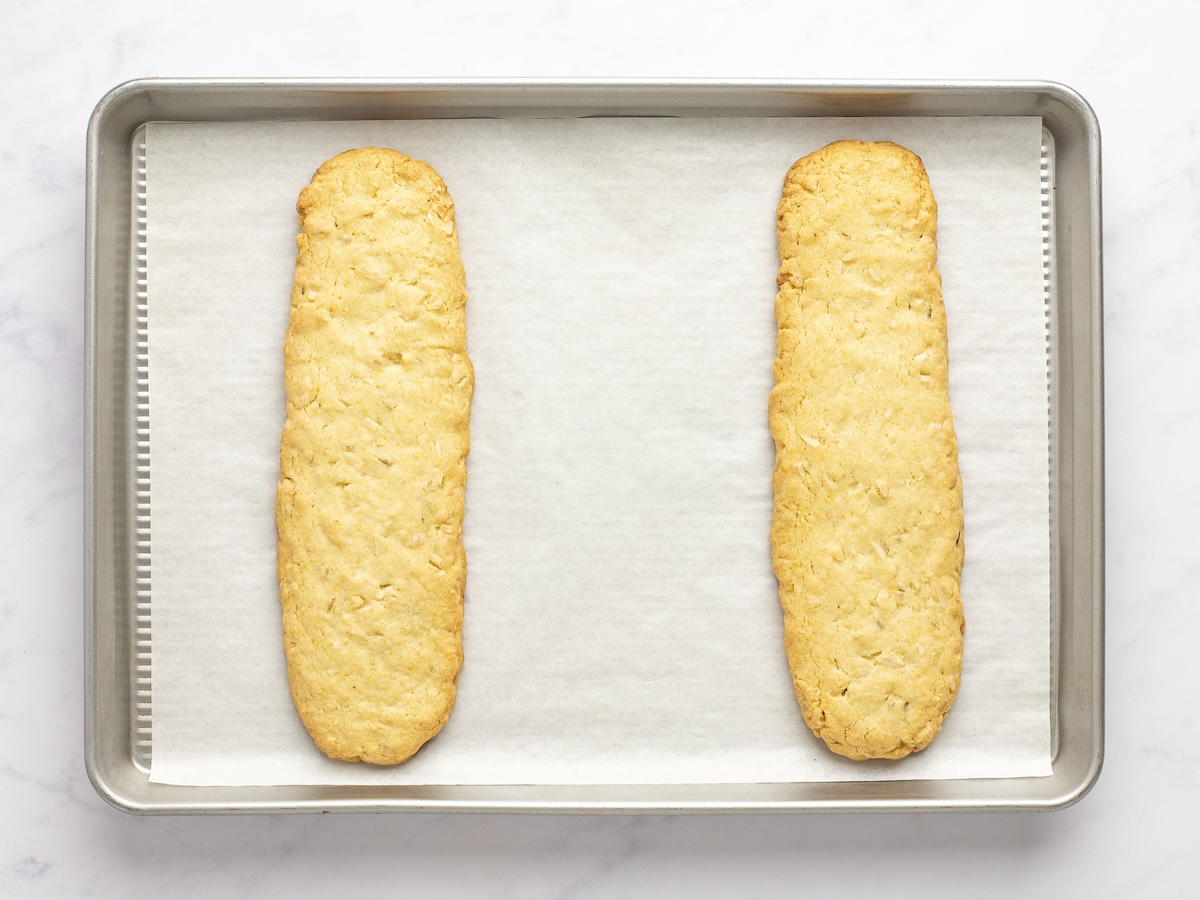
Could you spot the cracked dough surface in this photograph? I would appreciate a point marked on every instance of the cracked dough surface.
(369, 507)
(866, 538)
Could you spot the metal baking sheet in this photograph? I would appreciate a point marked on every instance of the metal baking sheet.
(118, 687)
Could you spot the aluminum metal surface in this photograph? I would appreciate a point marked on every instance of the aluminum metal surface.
(114, 561)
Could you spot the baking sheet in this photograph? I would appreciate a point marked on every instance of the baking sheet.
(622, 624)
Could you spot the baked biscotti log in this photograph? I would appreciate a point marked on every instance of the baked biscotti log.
(867, 535)
(369, 508)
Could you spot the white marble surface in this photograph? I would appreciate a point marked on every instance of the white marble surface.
(1135, 63)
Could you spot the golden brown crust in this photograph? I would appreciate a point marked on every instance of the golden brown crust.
(369, 508)
(866, 539)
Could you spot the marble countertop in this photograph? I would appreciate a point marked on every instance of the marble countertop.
(1136, 65)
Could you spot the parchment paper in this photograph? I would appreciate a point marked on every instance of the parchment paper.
(622, 620)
